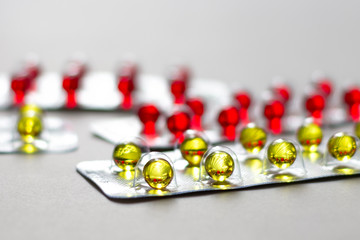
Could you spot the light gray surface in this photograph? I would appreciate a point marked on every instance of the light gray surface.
(247, 42)
(43, 197)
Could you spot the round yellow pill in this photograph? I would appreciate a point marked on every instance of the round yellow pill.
(193, 149)
(158, 173)
(253, 138)
(282, 153)
(342, 146)
(29, 128)
(126, 155)
(219, 165)
(310, 136)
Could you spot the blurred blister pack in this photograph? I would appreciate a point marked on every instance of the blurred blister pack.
(55, 136)
(99, 91)
(215, 95)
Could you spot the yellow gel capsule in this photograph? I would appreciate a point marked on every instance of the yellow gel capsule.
(342, 146)
(219, 166)
(126, 156)
(193, 150)
(357, 129)
(310, 136)
(282, 154)
(29, 128)
(30, 109)
(158, 173)
(253, 139)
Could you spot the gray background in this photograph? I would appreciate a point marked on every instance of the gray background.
(240, 42)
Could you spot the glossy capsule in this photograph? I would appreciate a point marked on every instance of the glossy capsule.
(193, 149)
(29, 128)
(30, 110)
(253, 138)
(158, 173)
(342, 146)
(282, 153)
(219, 165)
(126, 156)
(310, 137)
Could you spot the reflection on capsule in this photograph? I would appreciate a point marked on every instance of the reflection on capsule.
(344, 170)
(312, 156)
(193, 172)
(255, 164)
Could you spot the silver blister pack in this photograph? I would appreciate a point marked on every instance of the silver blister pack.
(121, 185)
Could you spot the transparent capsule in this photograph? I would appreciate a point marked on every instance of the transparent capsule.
(219, 165)
(342, 146)
(158, 173)
(283, 162)
(126, 155)
(220, 168)
(193, 147)
(310, 136)
(253, 138)
(281, 153)
(29, 128)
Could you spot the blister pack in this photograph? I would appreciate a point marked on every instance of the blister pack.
(255, 159)
(33, 132)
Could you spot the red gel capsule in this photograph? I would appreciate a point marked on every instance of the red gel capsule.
(148, 115)
(228, 119)
(282, 91)
(178, 89)
(70, 85)
(244, 100)
(20, 84)
(74, 72)
(315, 105)
(127, 84)
(274, 111)
(32, 70)
(177, 124)
(352, 99)
(325, 86)
(197, 107)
